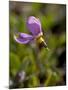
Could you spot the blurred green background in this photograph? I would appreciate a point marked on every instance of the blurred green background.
(29, 66)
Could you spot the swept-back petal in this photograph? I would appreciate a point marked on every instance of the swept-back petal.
(34, 25)
(23, 38)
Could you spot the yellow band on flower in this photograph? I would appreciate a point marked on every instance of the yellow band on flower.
(40, 39)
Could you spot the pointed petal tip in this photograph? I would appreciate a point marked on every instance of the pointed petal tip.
(48, 49)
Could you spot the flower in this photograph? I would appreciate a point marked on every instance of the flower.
(34, 26)
(22, 76)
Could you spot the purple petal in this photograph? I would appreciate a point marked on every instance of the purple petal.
(34, 25)
(23, 38)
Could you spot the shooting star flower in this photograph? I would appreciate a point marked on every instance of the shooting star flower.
(34, 26)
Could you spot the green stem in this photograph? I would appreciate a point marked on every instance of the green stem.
(48, 79)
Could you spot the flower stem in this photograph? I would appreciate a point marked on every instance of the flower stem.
(48, 79)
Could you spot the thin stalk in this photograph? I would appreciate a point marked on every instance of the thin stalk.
(48, 79)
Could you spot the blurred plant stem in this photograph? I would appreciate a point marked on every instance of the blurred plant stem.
(40, 65)
(48, 78)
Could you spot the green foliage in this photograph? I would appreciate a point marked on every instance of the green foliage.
(14, 63)
(34, 82)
